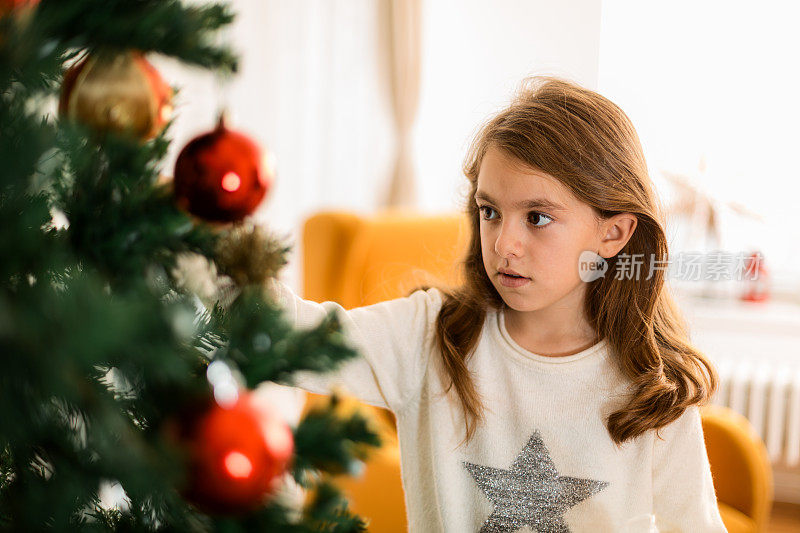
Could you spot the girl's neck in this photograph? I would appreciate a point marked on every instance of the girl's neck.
(559, 330)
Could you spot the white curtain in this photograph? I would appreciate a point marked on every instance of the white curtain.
(405, 38)
(314, 88)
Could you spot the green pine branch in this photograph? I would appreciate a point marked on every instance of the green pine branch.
(100, 348)
(167, 27)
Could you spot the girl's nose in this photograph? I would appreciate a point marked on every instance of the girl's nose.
(508, 242)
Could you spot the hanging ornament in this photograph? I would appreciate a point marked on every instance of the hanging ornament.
(21, 13)
(16, 6)
(219, 177)
(756, 279)
(249, 255)
(120, 92)
(238, 452)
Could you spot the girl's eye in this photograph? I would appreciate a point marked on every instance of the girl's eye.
(540, 217)
(539, 220)
(481, 208)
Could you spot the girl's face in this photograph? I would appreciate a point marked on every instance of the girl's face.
(531, 224)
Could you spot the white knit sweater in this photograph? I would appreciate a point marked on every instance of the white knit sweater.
(543, 460)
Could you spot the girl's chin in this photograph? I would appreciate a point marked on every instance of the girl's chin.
(517, 297)
(527, 306)
(525, 298)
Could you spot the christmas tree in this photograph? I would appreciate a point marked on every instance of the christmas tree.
(118, 372)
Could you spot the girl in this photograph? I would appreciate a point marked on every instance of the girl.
(577, 396)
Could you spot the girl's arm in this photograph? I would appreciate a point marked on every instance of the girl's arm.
(683, 491)
(393, 339)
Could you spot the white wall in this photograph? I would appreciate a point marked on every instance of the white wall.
(475, 55)
(720, 79)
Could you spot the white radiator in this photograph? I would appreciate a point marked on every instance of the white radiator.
(755, 347)
(768, 395)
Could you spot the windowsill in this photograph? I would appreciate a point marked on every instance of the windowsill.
(729, 330)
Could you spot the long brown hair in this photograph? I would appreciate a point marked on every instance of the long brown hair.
(588, 143)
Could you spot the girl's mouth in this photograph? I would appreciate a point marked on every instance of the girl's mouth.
(512, 281)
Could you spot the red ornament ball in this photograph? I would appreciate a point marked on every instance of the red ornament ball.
(10, 5)
(21, 11)
(238, 455)
(218, 176)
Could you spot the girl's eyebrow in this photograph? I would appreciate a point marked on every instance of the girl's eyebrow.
(536, 203)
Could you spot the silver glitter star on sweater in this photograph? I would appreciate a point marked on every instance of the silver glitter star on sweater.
(531, 492)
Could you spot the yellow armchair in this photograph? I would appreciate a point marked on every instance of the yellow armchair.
(740, 467)
(357, 261)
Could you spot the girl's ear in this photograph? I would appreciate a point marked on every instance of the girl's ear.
(616, 231)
